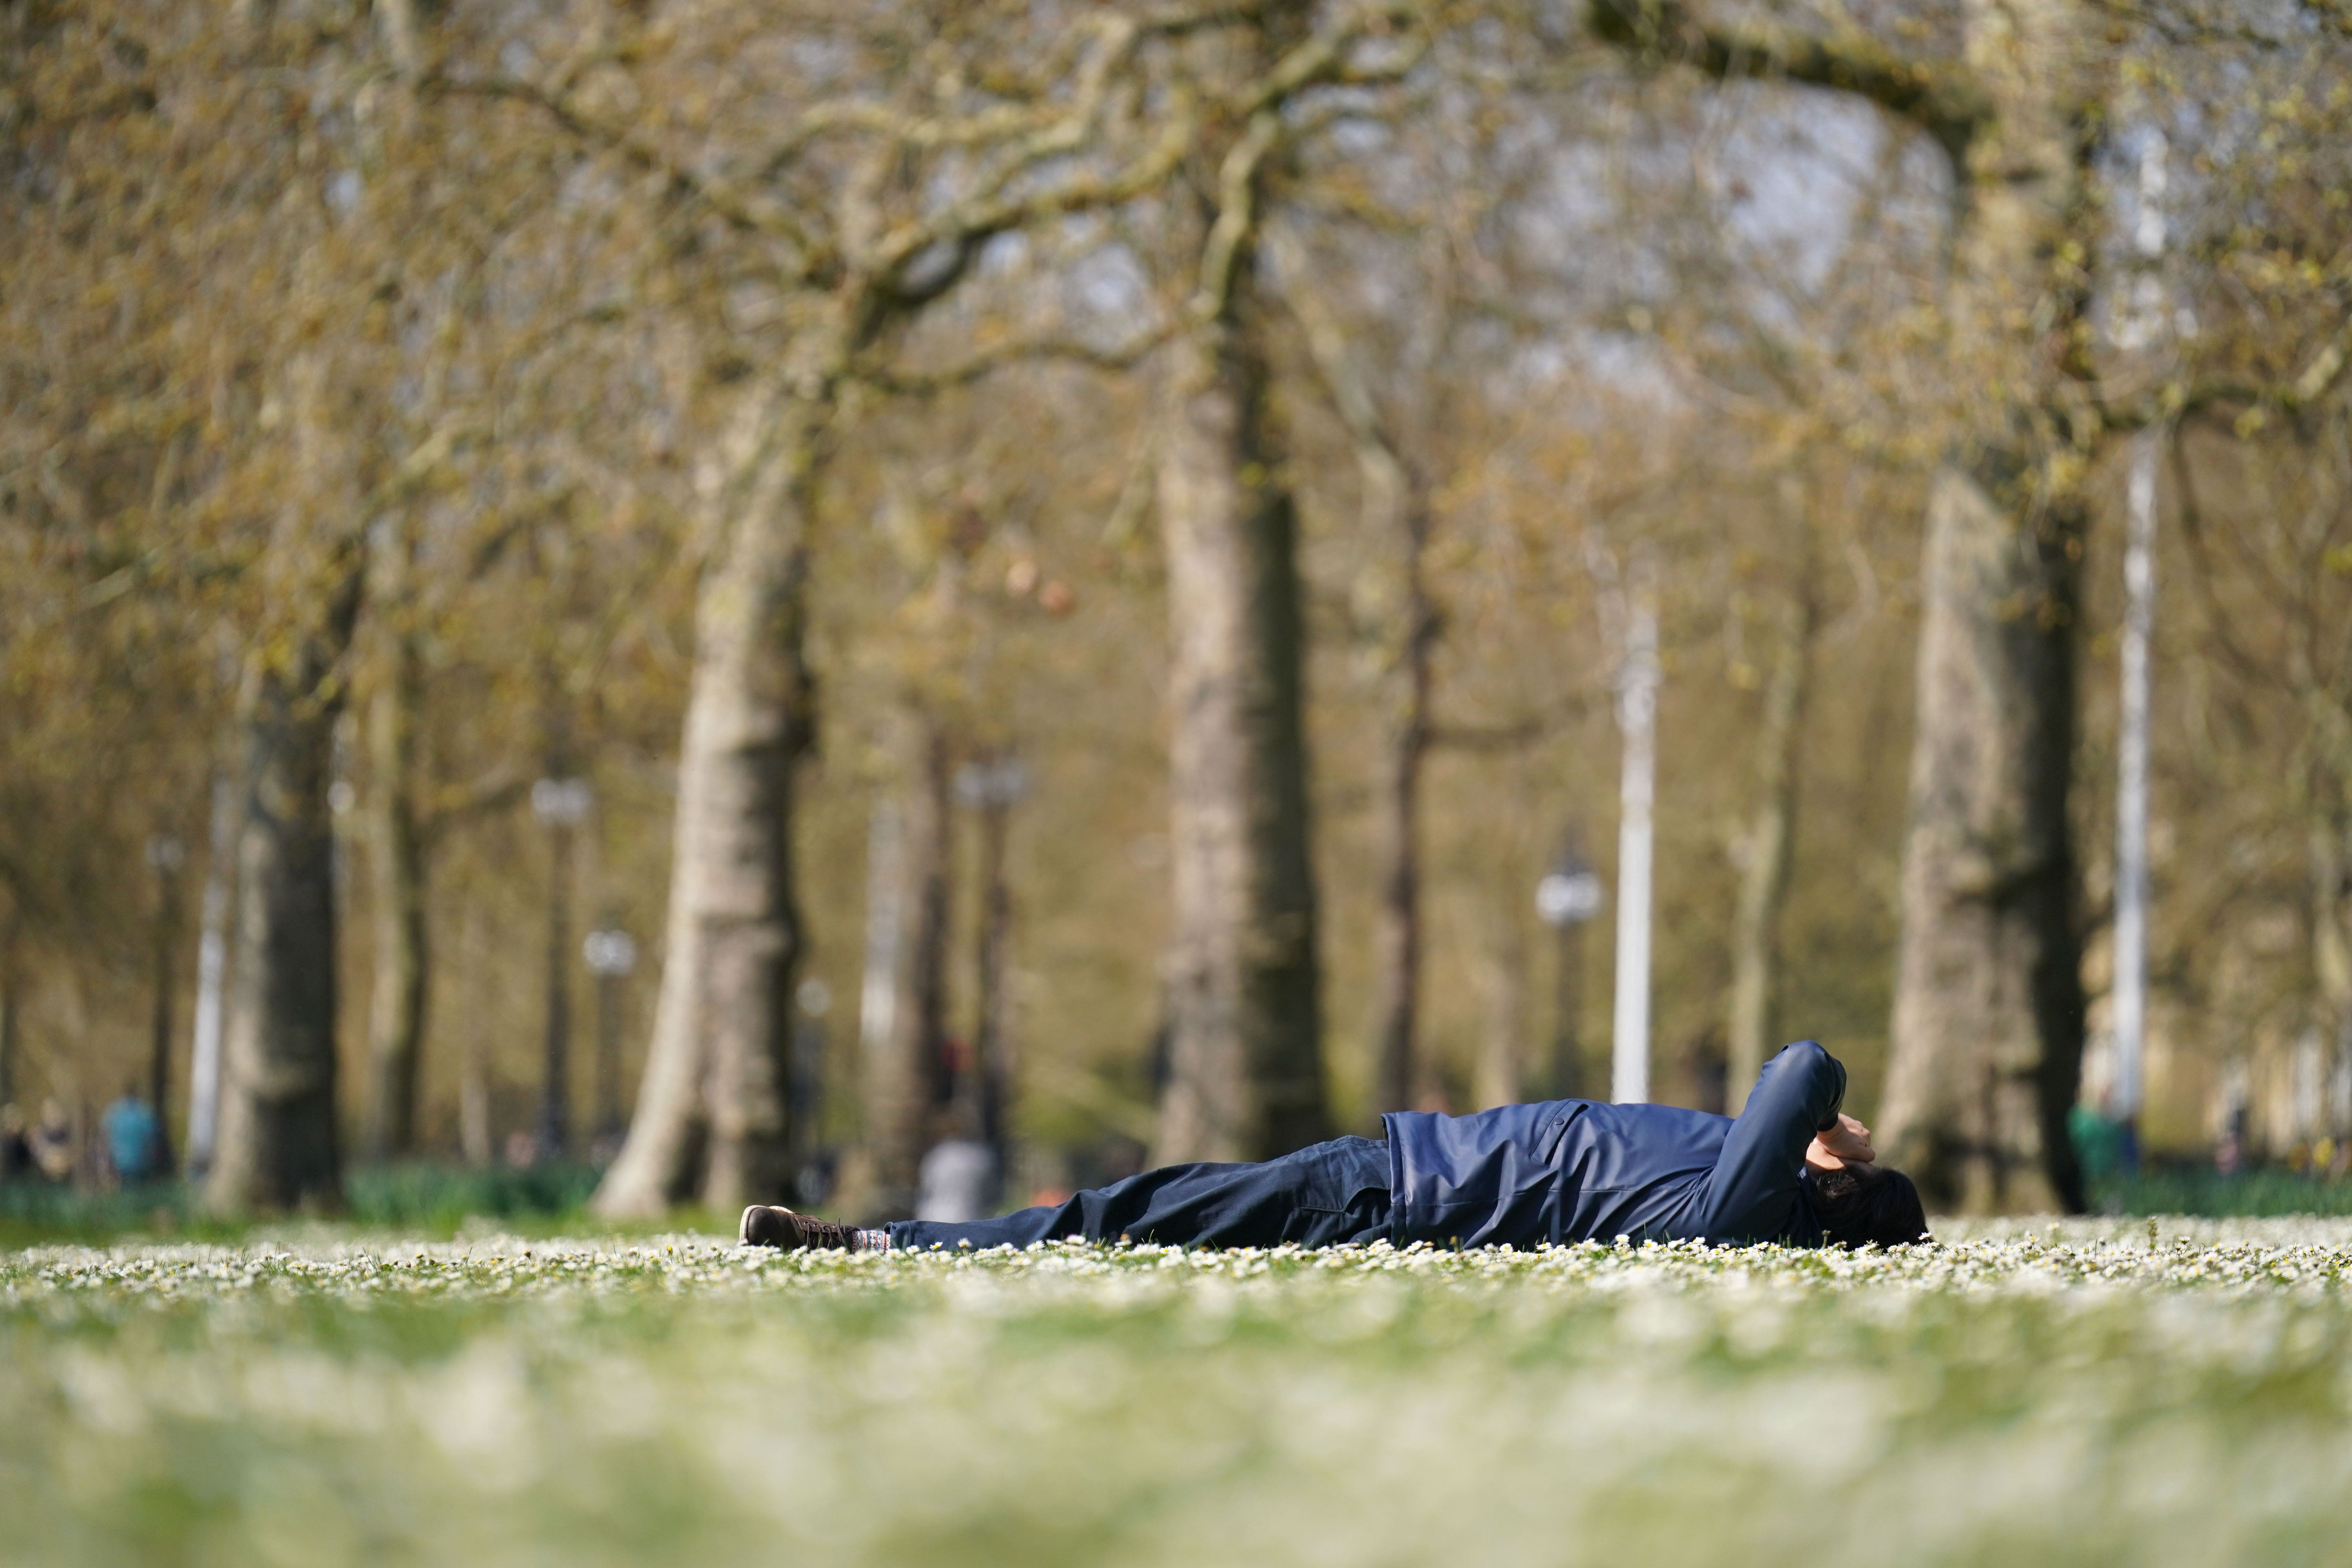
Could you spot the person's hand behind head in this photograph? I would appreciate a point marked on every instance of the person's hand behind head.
(1847, 1143)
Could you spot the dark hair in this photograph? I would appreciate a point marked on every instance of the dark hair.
(1863, 1205)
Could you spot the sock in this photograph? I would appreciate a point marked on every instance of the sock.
(872, 1240)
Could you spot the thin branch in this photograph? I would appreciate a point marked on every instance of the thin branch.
(1510, 736)
(1118, 36)
(453, 804)
(1941, 98)
(718, 193)
(425, 461)
(1115, 37)
(978, 366)
(2310, 385)
(979, 215)
(1237, 214)
(1322, 60)
(2201, 575)
(1326, 342)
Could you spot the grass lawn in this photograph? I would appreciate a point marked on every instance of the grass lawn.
(2096, 1391)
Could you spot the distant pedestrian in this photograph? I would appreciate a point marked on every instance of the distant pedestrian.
(957, 1181)
(16, 1151)
(131, 1129)
(52, 1141)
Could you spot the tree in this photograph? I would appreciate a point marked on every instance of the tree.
(1244, 1007)
(1766, 849)
(911, 893)
(1988, 1016)
(1395, 505)
(850, 247)
(279, 1145)
(396, 831)
(204, 387)
(373, 438)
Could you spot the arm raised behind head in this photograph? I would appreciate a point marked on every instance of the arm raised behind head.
(1754, 1186)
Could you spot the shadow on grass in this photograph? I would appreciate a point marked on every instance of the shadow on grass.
(417, 1199)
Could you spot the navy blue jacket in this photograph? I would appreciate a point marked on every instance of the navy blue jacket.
(1576, 1170)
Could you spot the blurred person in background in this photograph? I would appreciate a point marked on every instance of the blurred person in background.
(1791, 1169)
(16, 1152)
(956, 1182)
(129, 1129)
(52, 1143)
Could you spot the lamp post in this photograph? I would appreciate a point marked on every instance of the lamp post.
(610, 953)
(2146, 324)
(1637, 718)
(561, 804)
(1567, 897)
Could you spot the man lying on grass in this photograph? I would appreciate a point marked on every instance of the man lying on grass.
(1790, 1170)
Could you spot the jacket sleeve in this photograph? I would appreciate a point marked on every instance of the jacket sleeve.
(1753, 1189)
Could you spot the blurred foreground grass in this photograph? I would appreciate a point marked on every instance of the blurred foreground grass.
(2093, 1391)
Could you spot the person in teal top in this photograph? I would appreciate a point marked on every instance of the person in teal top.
(129, 1129)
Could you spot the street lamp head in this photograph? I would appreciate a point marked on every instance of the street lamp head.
(1568, 895)
(561, 803)
(1001, 782)
(609, 950)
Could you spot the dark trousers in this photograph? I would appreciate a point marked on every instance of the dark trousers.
(1324, 1196)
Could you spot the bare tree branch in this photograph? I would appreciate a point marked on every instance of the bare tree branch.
(1940, 98)
(2312, 383)
(963, 372)
(1236, 214)
(720, 194)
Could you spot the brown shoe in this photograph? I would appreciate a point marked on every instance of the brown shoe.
(772, 1224)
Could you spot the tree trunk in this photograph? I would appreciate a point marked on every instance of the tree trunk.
(1245, 1074)
(398, 997)
(167, 856)
(555, 1072)
(278, 1145)
(711, 1114)
(212, 978)
(476, 1137)
(1400, 944)
(1394, 508)
(10, 979)
(1987, 1022)
(903, 1083)
(1766, 849)
(991, 1098)
(2331, 963)
(878, 993)
(1987, 1026)
(1398, 950)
